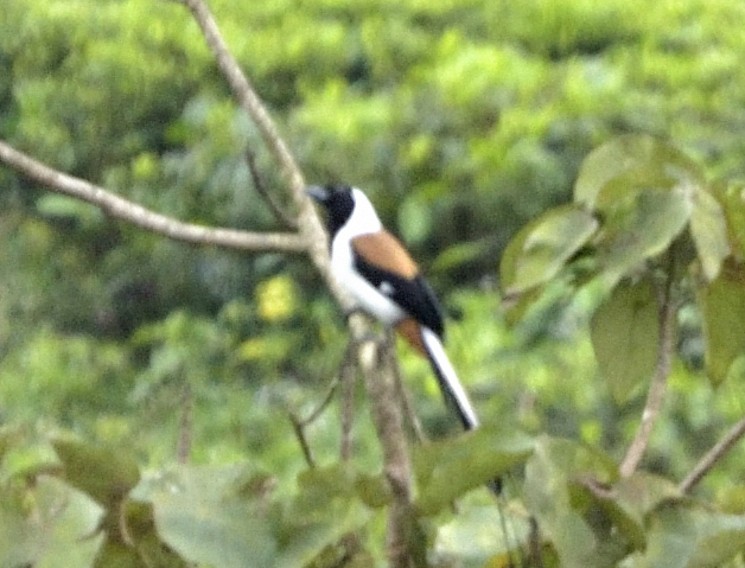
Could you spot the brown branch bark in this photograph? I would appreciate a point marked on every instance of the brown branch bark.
(309, 225)
(311, 238)
(377, 361)
(658, 385)
(376, 370)
(710, 459)
(136, 214)
(258, 182)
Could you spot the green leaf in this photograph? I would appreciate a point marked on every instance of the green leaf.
(632, 162)
(722, 304)
(203, 514)
(539, 251)
(639, 230)
(53, 205)
(459, 254)
(625, 337)
(48, 525)
(709, 231)
(732, 198)
(447, 469)
(72, 540)
(106, 474)
(682, 535)
(630, 500)
(550, 475)
(324, 513)
(469, 538)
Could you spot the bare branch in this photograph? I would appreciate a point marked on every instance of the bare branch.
(711, 457)
(244, 92)
(347, 376)
(377, 362)
(186, 424)
(138, 215)
(298, 428)
(279, 213)
(309, 225)
(658, 385)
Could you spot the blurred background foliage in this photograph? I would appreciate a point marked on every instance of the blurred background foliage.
(463, 121)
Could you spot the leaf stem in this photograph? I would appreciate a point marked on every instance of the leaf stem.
(658, 385)
(710, 459)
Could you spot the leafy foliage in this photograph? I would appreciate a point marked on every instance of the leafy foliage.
(467, 122)
(660, 231)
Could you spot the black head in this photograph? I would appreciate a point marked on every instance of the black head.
(338, 200)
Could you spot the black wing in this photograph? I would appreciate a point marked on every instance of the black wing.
(414, 295)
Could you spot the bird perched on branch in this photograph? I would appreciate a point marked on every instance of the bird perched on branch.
(380, 275)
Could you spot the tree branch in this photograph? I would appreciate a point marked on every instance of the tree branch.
(376, 370)
(309, 225)
(244, 92)
(138, 215)
(711, 457)
(658, 386)
(377, 361)
(279, 213)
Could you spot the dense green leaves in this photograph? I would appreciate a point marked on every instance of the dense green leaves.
(625, 333)
(465, 121)
(691, 536)
(651, 200)
(540, 250)
(107, 475)
(447, 469)
(723, 309)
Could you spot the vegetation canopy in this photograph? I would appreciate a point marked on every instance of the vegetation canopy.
(177, 387)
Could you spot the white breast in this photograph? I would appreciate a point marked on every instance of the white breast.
(370, 299)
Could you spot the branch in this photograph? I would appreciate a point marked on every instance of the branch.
(309, 225)
(377, 361)
(243, 92)
(126, 210)
(279, 213)
(186, 425)
(711, 457)
(658, 386)
(347, 376)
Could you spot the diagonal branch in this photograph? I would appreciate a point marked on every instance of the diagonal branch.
(711, 457)
(658, 386)
(258, 182)
(377, 360)
(309, 224)
(140, 216)
(245, 94)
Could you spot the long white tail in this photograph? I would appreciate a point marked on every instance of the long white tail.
(452, 389)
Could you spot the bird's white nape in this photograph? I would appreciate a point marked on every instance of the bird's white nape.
(364, 219)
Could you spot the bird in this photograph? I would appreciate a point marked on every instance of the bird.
(377, 271)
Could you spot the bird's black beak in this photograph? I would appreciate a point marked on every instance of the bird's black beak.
(320, 194)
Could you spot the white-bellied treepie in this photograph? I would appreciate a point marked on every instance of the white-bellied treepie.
(380, 275)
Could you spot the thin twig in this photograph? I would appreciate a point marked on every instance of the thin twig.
(186, 425)
(297, 427)
(711, 457)
(658, 386)
(258, 182)
(126, 210)
(408, 407)
(299, 424)
(243, 91)
(347, 376)
(376, 360)
(309, 224)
